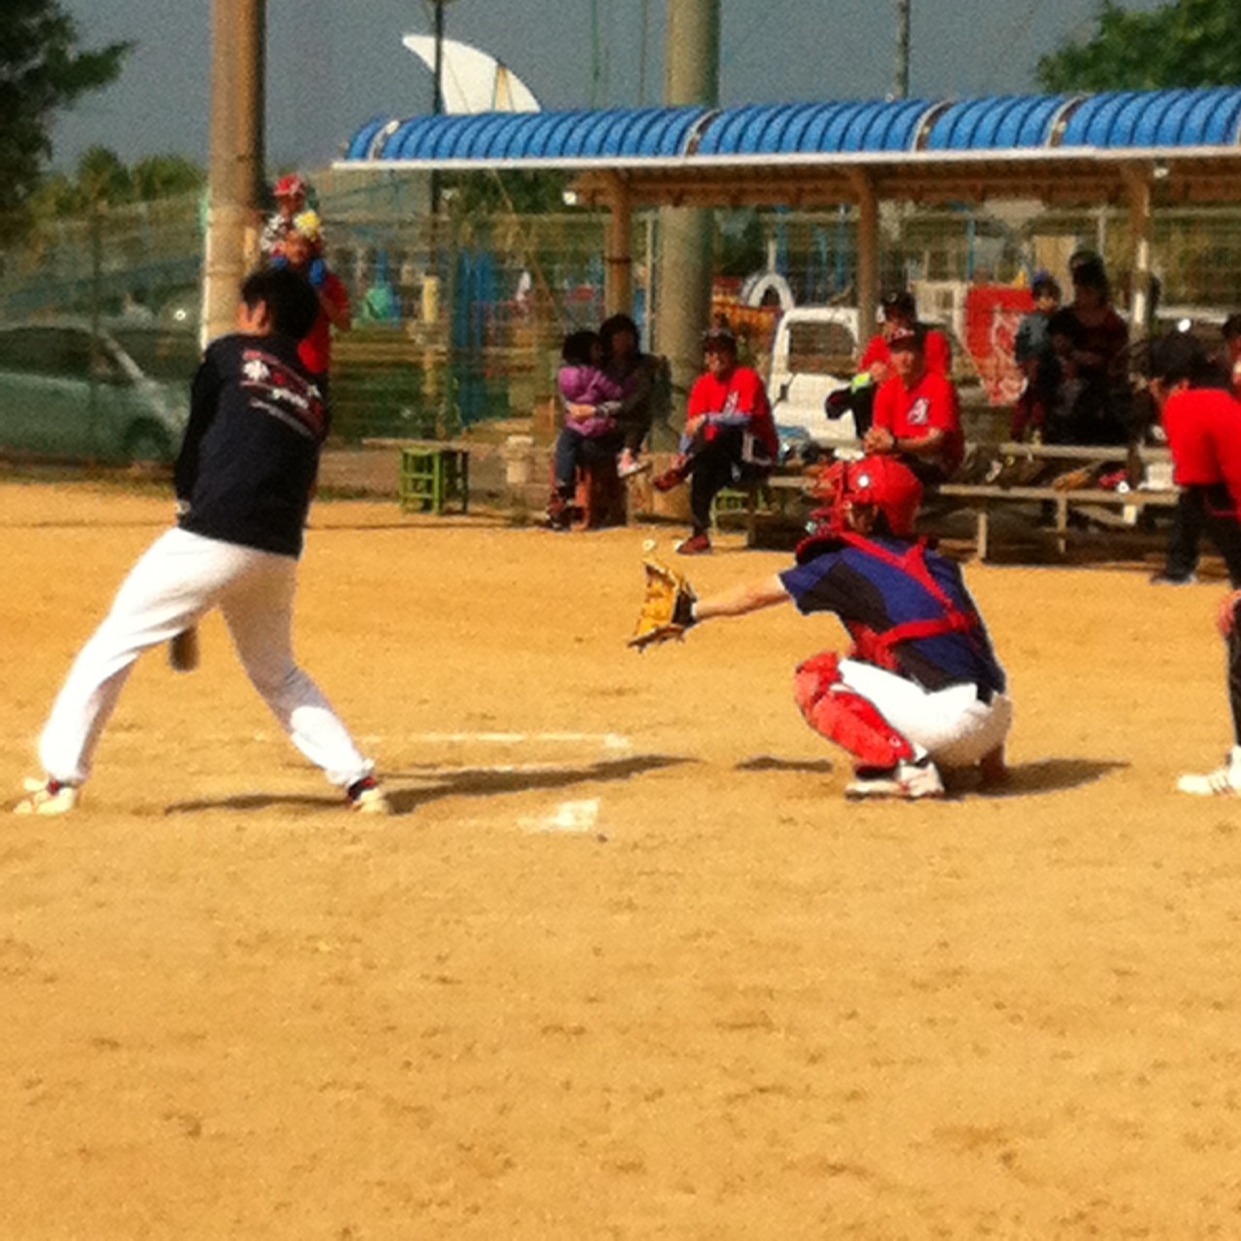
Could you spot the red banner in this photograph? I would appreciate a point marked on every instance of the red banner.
(992, 315)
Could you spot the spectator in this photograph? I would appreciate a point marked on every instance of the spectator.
(638, 374)
(917, 415)
(591, 432)
(290, 194)
(1099, 360)
(1037, 360)
(900, 313)
(302, 250)
(729, 436)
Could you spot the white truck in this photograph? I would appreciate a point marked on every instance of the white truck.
(814, 353)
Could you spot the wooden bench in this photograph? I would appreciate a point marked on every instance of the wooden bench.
(1108, 507)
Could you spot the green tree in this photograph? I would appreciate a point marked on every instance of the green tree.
(42, 69)
(166, 176)
(1185, 43)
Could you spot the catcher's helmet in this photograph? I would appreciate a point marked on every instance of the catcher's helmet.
(883, 482)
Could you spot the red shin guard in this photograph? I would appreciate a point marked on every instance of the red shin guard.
(848, 719)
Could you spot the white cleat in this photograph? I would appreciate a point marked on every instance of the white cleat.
(1224, 781)
(907, 781)
(47, 797)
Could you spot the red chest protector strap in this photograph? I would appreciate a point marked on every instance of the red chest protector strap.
(877, 648)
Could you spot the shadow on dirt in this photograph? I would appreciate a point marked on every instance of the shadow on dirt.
(1049, 775)
(466, 782)
(765, 762)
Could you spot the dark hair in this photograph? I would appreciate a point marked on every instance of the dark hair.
(1177, 356)
(292, 305)
(1064, 323)
(1045, 286)
(612, 326)
(1231, 328)
(1091, 274)
(578, 348)
(900, 305)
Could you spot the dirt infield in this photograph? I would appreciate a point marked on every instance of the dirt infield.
(625, 965)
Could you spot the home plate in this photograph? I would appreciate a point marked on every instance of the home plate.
(569, 816)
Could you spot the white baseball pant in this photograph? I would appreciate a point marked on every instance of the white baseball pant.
(179, 579)
(951, 725)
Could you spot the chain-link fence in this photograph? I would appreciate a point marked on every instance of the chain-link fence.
(458, 322)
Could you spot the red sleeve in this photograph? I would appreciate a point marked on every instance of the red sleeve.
(945, 406)
(887, 400)
(938, 354)
(699, 402)
(876, 351)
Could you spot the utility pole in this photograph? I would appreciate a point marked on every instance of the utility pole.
(901, 88)
(235, 174)
(437, 104)
(683, 284)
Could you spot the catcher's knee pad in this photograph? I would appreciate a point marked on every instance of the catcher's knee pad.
(854, 723)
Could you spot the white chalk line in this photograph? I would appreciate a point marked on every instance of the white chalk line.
(605, 741)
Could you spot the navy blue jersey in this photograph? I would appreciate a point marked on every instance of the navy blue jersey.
(870, 594)
(250, 456)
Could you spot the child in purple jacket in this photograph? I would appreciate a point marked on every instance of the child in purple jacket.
(591, 432)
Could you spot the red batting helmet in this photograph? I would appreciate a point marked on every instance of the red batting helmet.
(883, 482)
(291, 186)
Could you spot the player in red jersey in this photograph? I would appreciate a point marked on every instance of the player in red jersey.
(729, 438)
(917, 416)
(1203, 426)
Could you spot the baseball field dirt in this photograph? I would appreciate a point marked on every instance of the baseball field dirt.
(624, 964)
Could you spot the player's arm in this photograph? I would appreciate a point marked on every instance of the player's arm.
(738, 600)
(204, 404)
(928, 445)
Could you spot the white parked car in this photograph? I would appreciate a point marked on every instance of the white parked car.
(72, 395)
(813, 354)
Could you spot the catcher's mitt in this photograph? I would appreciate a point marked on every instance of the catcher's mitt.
(667, 608)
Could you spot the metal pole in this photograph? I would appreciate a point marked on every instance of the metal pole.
(437, 104)
(901, 88)
(235, 175)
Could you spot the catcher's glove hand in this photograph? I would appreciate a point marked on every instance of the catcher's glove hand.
(667, 609)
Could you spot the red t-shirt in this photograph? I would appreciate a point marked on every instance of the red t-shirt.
(1203, 426)
(315, 349)
(938, 353)
(911, 413)
(738, 394)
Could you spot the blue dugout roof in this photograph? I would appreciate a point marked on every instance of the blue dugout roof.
(1051, 146)
(1114, 122)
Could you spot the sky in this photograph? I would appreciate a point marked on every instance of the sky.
(332, 65)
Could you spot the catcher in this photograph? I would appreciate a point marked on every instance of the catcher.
(921, 687)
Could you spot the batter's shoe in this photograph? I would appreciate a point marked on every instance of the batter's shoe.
(695, 545)
(908, 781)
(1224, 781)
(1174, 579)
(47, 796)
(366, 796)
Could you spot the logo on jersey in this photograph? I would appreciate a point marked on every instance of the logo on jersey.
(919, 413)
(277, 389)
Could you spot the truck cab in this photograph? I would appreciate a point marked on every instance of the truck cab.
(813, 354)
